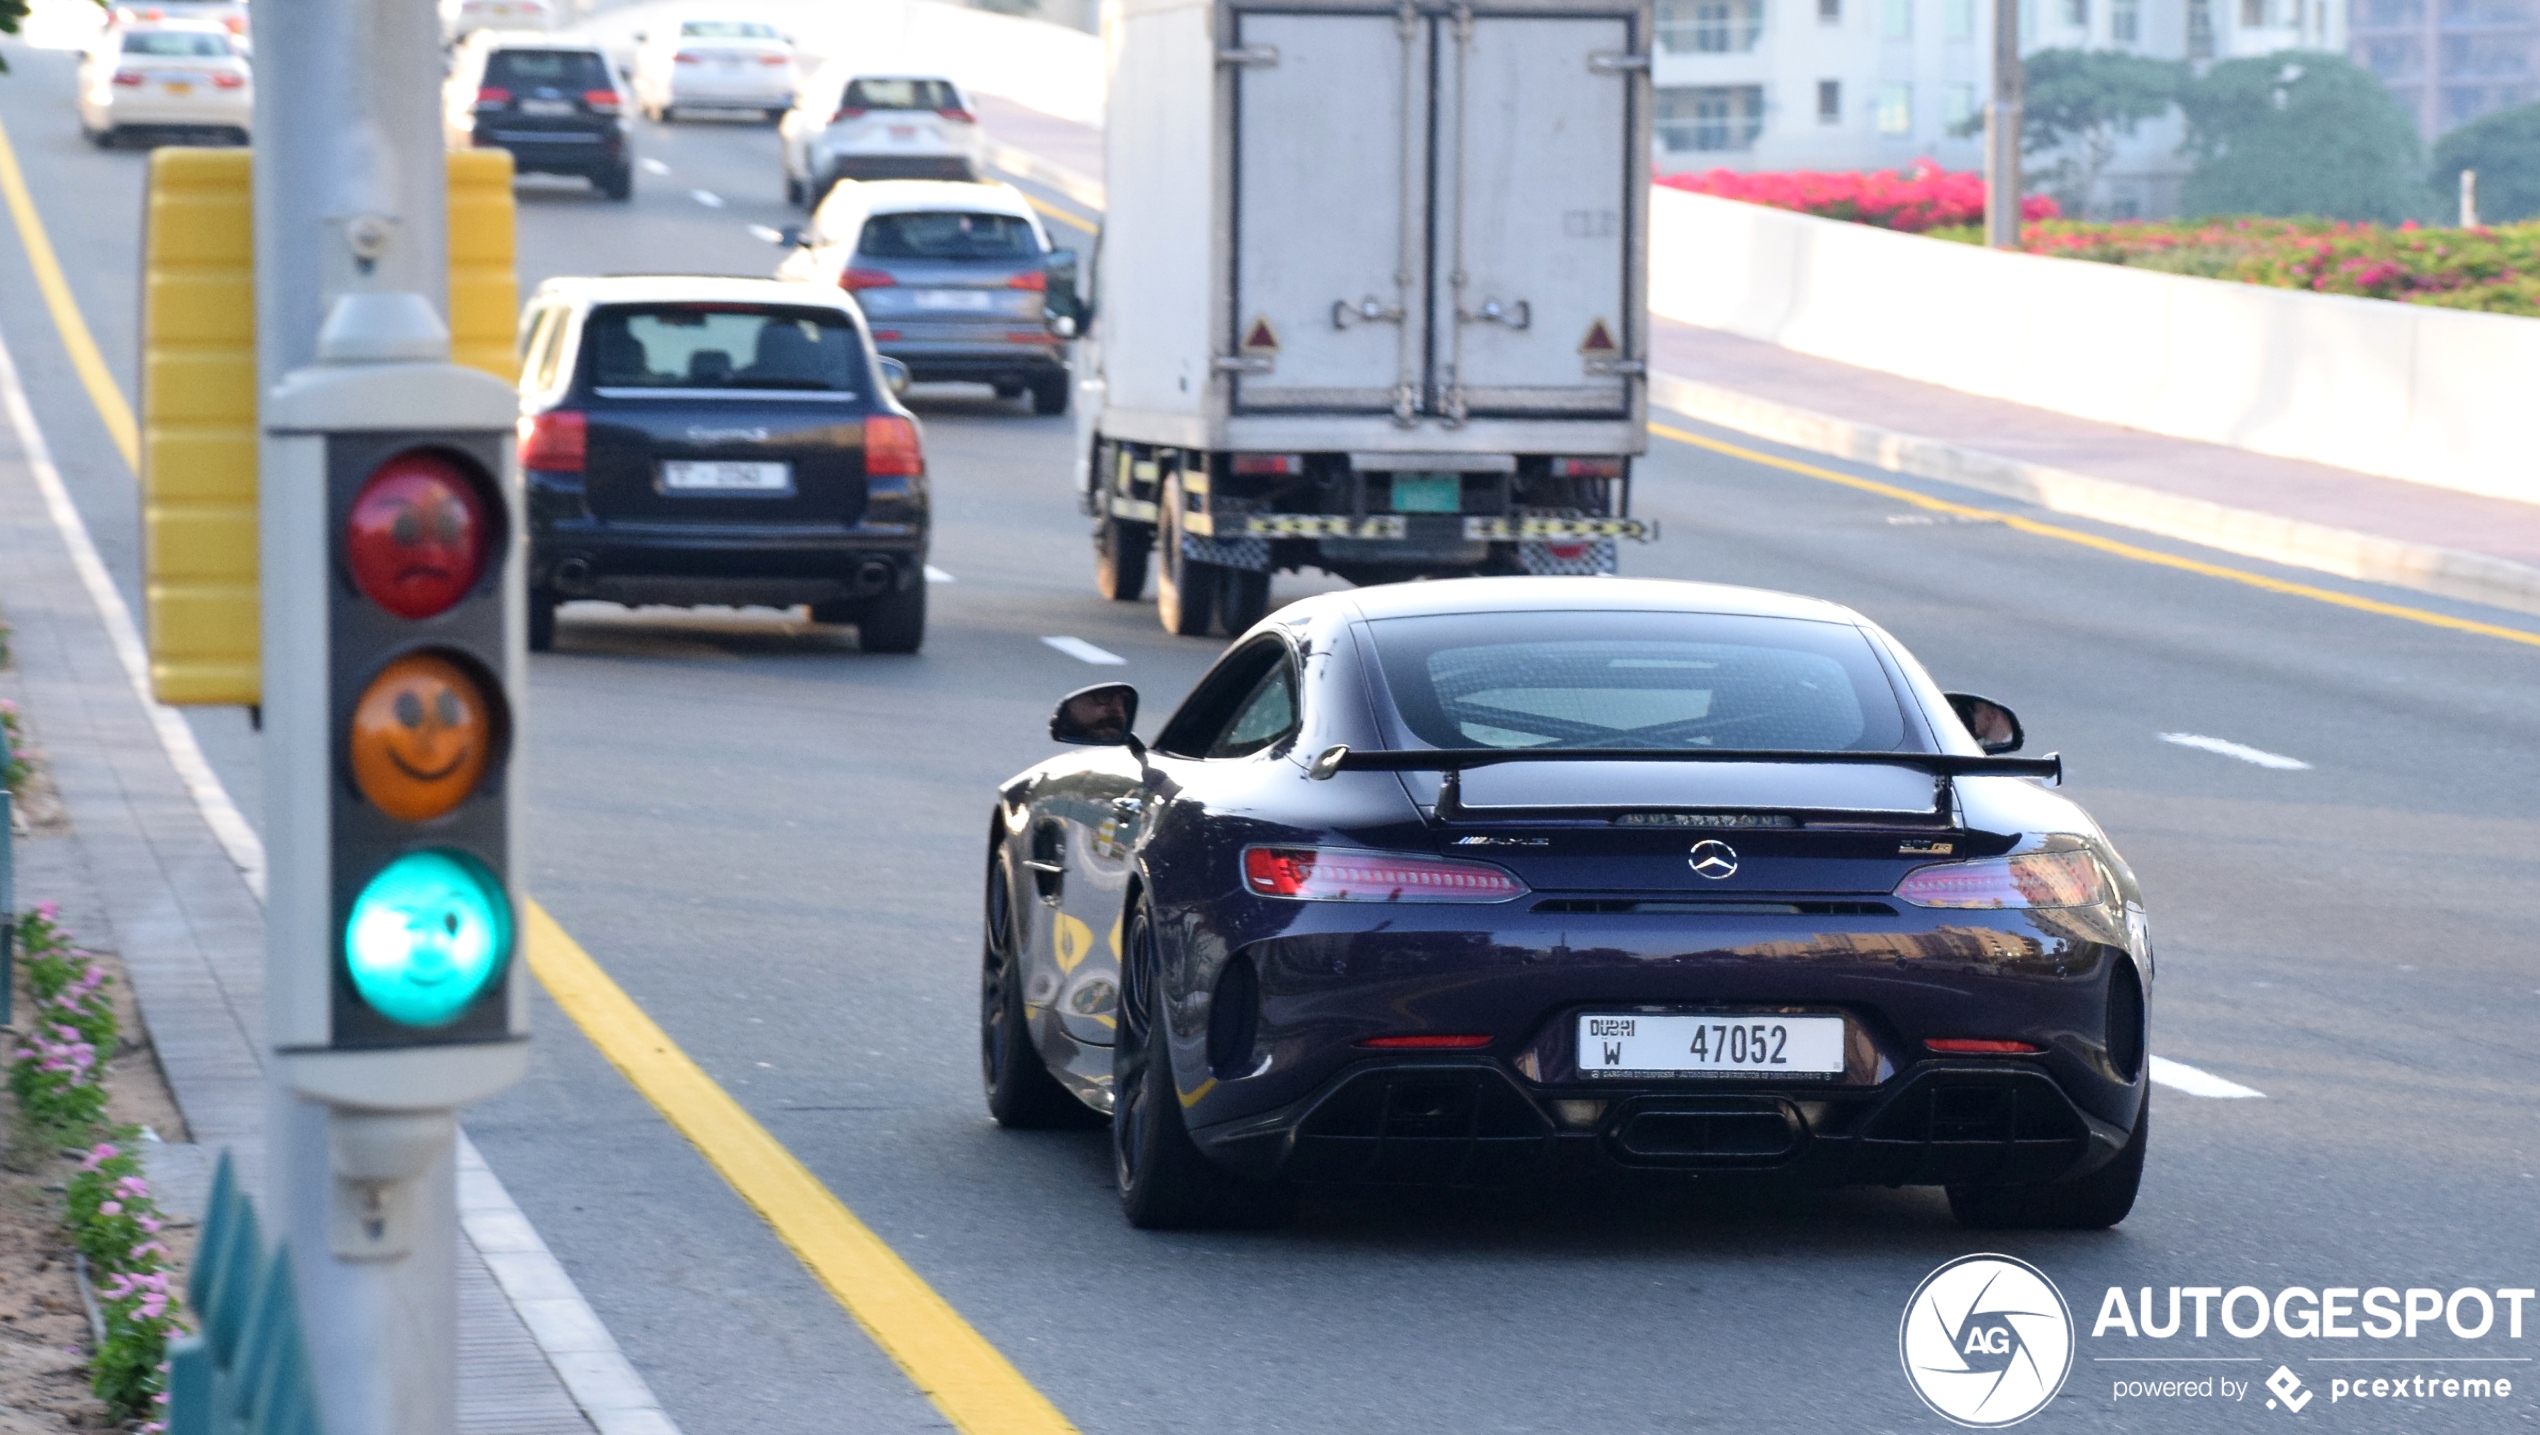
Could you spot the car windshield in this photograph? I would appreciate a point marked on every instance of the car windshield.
(183, 44)
(726, 30)
(724, 346)
(900, 95)
(1647, 680)
(560, 69)
(948, 235)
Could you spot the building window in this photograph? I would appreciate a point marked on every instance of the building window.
(2077, 13)
(1896, 19)
(1710, 27)
(1896, 109)
(1957, 105)
(1830, 102)
(1958, 19)
(2200, 29)
(2125, 21)
(1710, 117)
(2253, 14)
(2394, 59)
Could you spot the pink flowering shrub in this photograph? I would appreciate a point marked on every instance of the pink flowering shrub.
(1913, 200)
(2496, 269)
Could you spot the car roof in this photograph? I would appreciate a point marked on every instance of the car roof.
(701, 288)
(919, 196)
(1610, 595)
(532, 40)
(181, 27)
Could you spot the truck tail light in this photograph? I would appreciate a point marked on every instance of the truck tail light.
(557, 441)
(1269, 463)
(2032, 879)
(1323, 874)
(854, 279)
(891, 449)
(1587, 468)
(600, 102)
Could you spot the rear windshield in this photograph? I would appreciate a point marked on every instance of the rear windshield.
(176, 43)
(562, 69)
(948, 236)
(727, 30)
(900, 95)
(702, 346)
(1655, 680)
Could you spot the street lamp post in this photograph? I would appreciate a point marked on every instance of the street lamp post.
(2002, 132)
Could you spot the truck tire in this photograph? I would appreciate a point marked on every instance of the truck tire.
(1120, 559)
(1185, 589)
(1243, 599)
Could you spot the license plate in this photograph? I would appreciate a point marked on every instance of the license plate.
(546, 107)
(971, 299)
(903, 132)
(682, 475)
(178, 87)
(1639, 1042)
(1428, 492)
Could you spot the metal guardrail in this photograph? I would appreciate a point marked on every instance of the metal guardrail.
(246, 1371)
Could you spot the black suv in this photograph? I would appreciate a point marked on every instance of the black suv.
(555, 106)
(690, 440)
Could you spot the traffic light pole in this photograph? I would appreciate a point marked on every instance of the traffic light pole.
(2002, 132)
(353, 356)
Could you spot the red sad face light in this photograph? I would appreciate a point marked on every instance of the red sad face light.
(418, 535)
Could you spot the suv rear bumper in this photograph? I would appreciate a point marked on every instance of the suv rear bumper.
(772, 564)
(601, 153)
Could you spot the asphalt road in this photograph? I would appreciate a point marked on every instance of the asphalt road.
(773, 843)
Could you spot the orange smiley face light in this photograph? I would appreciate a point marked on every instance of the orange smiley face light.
(421, 736)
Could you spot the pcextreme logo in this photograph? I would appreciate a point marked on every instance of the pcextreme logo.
(1986, 1341)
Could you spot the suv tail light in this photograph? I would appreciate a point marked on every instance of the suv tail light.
(891, 449)
(848, 112)
(226, 80)
(1033, 279)
(1323, 874)
(557, 441)
(2032, 879)
(493, 97)
(1269, 463)
(959, 117)
(854, 279)
(600, 102)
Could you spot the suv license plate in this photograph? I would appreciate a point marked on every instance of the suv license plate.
(1713, 1042)
(974, 300)
(686, 475)
(550, 108)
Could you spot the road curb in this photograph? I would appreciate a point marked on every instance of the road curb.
(1085, 191)
(2422, 567)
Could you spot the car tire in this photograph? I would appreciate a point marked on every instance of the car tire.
(542, 619)
(1022, 1095)
(1050, 396)
(1243, 599)
(775, 117)
(894, 622)
(2092, 1203)
(617, 184)
(1185, 588)
(1009, 391)
(1165, 1183)
(1120, 559)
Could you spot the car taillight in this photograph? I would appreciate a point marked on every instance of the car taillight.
(493, 97)
(1424, 1041)
(1033, 279)
(128, 77)
(1587, 468)
(1322, 874)
(1981, 1046)
(2032, 879)
(1269, 463)
(849, 112)
(685, 57)
(881, 336)
(867, 279)
(891, 449)
(600, 102)
(234, 24)
(959, 117)
(223, 80)
(771, 59)
(557, 441)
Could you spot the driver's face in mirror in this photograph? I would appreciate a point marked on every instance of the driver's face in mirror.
(1991, 724)
(1103, 712)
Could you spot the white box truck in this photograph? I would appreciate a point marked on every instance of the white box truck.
(1370, 295)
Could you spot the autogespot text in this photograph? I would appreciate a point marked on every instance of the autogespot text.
(2440, 1321)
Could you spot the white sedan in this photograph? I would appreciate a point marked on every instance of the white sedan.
(714, 64)
(850, 126)
(174, 79)
(462, 18)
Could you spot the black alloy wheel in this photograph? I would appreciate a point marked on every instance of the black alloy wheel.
(2092, 1203)
(1120, 558)
(1022, 1095)
(1243, 599)
(1165, 1183)
(1185, 588)
(896, 621)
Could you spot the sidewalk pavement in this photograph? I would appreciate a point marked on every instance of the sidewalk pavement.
(138, 871)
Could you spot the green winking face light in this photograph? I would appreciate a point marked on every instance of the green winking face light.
(426, 936)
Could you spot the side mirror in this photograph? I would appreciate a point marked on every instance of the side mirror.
(1099, 716)
(895, 378)
(1062, 300)
(1995, 727)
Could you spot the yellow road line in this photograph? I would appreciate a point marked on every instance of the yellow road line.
(2111, 546)
(1054, 212)
(85, 360)
(975, 1386)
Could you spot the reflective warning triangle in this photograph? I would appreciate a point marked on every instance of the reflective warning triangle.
(1260, 338)
(1599, 340)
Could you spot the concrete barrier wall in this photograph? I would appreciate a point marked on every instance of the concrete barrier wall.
(2436, 396)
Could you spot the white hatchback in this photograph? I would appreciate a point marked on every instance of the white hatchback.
(851, 126)
(714, 64)
(170, 80)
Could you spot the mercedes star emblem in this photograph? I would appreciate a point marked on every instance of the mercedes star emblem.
(1714, 859)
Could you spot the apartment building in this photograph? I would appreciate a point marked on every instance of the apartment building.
(1879, 84)
(2447, 62)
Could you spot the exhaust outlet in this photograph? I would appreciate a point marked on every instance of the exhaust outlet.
(574, 577)
(875, 576)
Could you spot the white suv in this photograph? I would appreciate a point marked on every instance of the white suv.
(851, 126)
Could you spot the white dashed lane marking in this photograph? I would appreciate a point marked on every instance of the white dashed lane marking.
(1085, 652)
(653, 166)
(706, 197)
(2179, 1076)
(2260, 756)
(765, 235)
